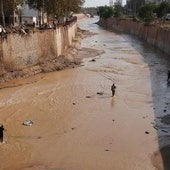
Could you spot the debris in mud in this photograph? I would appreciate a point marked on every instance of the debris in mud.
(74, 103)
(107, 150)
(100, 93)
(88, 97)
(146, 132)
(164, 110)
(73, 128)
(164, 131)
(166, 119)
(28, 122)
(155, 127)
(113, 120)
(93, 60)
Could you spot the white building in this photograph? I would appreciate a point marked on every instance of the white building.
(29, 16)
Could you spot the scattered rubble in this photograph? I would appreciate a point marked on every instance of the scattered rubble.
(88, 97)
(93, 60)
(22, 30)
(100, 93)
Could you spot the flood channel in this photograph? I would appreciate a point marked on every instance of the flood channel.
(78, 125)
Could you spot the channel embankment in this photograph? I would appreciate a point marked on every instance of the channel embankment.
(152, 34)
(40, 51)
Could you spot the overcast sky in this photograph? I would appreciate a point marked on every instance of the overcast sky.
(94, 3)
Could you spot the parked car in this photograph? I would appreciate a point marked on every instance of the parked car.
(167, 16)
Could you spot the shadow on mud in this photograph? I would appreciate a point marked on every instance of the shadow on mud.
(158, 63)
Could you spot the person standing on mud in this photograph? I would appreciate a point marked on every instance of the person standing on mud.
(1, 132)
(113, 88)
(168, 79)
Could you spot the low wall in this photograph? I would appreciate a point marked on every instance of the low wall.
(154, 35)
(20, 52)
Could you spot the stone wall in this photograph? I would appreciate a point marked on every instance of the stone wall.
(19, 52)
(154, 35)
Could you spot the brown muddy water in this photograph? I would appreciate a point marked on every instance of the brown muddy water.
(77, 129)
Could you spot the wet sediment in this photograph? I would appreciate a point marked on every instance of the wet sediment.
(77, 122)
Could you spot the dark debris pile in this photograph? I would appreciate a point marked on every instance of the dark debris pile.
(22, 30)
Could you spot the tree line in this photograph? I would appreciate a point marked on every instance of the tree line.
(149, 12)
(145, 11)
(53, 8)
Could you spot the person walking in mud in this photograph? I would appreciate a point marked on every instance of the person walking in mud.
(113, 88)
(1, 132)
(168, 78)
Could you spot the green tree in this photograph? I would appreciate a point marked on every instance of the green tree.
(105, 12)
(133, 6)
(9, 7)
(118, 9)
(36, 4)
(146, 12)
(56, 8)
(162, 9)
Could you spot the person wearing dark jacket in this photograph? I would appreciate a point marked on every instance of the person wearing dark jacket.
(1, 132)
(168, 78)
(113, 88)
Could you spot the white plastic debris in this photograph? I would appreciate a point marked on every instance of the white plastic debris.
(28, 122)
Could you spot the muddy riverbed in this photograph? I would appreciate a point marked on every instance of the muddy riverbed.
(77, 124)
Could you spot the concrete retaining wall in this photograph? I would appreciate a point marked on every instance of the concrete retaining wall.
(19, 52)
(154, 35)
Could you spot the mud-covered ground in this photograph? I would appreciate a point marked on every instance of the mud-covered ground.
(77, 124)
